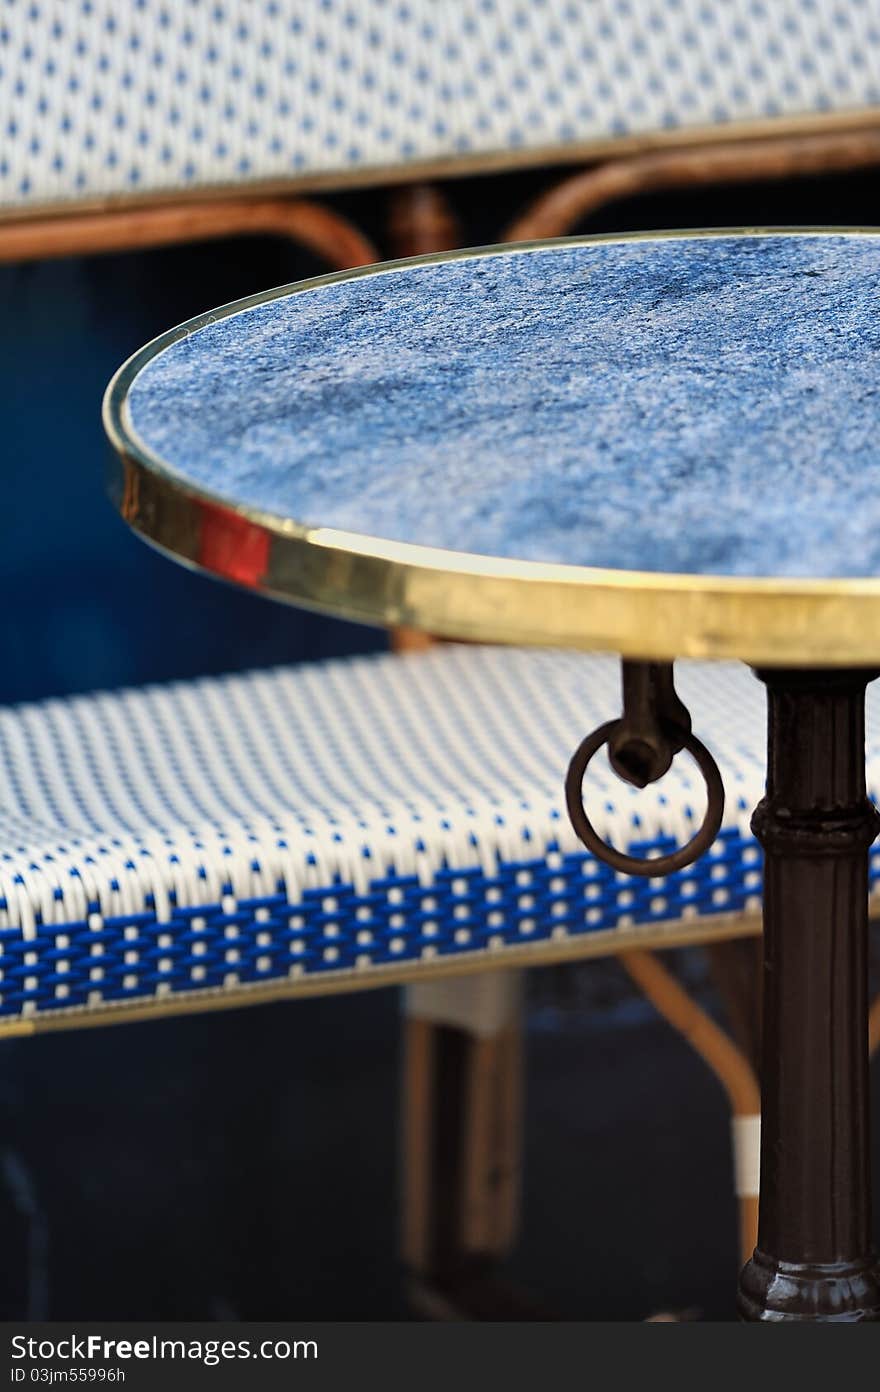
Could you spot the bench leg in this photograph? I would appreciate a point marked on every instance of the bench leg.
(729, 1064)
(461, 1133)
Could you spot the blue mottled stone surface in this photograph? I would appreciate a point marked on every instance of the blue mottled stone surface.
(702, 405)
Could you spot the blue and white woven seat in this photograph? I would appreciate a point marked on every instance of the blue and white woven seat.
(356, 822)
(100, 101)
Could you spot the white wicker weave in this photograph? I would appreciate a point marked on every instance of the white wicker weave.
(353, 822)
(99, 99)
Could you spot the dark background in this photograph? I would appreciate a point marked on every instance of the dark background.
(243, 1164)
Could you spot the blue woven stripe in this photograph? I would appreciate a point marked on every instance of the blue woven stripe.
(335, 929)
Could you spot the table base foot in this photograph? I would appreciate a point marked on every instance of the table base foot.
(844, 1292)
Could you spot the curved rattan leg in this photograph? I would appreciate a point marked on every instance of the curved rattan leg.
(421, 220)
(748, 1222)
(411, 640)
(738, 161)
(874, 1026)
(728, 1063)
(331, 237)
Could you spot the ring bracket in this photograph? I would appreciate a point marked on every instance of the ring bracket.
(654, 725)
(642, 743)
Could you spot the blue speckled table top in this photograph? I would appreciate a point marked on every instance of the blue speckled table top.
(702, 405)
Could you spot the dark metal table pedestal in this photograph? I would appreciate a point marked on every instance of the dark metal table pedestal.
(814, 1258)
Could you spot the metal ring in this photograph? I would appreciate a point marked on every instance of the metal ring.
(635, 865)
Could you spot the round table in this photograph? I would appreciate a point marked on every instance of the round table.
(663, 445)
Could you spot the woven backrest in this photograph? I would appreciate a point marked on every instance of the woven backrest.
(101, 100)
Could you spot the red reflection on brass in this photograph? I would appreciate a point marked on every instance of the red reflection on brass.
(230, 545)
(130, 504)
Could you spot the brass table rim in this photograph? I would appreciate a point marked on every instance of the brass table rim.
(772, 621)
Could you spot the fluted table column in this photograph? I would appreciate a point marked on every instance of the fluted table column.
(814, 1257)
